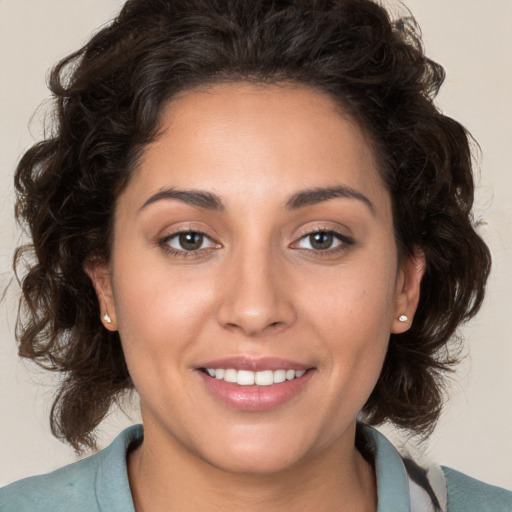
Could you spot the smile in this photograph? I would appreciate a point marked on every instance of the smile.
(250, 378)
(255, 383)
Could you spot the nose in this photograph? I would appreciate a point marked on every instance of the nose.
(255, 300)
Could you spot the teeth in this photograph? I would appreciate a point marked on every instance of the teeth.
(244, 378)
(229, 375)
(264, 378)
(248, 378)
(279, 376)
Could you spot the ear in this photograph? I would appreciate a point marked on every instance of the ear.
(407, 292)
(99, 273)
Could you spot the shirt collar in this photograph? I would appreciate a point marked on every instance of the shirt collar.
(112, 484)
(392, 483)
(113, 488)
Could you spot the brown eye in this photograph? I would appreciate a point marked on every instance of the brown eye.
(321, 241)
(187, 242)
(190, 241)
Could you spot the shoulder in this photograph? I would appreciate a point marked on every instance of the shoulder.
(466, 494)
(70, 487)
(406, 485)
(99, 482)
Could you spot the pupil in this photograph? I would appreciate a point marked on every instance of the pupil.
(321, 240)
(191, 241)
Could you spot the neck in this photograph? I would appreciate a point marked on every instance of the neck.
(168, 477)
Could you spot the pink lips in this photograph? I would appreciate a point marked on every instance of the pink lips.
(254, 398)
(255, 365)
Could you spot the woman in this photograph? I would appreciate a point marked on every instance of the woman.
(253, 214)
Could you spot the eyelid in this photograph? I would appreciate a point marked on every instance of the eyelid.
(163, 241)
(344, 239)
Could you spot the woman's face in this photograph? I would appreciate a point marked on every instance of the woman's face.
(255, 241)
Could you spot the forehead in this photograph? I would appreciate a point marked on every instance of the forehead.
(245, 140)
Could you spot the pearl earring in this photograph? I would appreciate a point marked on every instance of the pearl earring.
(107, 318)
(403, 318)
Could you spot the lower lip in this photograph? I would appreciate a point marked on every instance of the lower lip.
(255, 398)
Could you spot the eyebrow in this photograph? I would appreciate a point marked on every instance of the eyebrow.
(302, 199)
(197, 198)
(314, 196)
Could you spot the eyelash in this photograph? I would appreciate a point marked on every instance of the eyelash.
(345, 242)
(163, 243)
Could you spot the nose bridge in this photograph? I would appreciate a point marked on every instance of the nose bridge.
(255, 299)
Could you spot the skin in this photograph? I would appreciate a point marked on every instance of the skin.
(256, 288)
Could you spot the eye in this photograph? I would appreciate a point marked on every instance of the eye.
(187, 241)
(322, 241)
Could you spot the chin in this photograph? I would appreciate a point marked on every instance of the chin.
(262, 452)
(263, 463)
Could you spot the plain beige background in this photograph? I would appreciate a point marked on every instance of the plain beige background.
(471, 38)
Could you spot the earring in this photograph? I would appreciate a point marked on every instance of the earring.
(403, 318)
(107, 318)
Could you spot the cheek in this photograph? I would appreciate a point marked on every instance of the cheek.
(354, 328)
(348, 314)
(158, 312)
(357, 298)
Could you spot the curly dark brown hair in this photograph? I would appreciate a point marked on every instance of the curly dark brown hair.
(108, 97)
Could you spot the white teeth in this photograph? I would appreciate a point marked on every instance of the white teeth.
(264, 378)
(229, 375)
(279, 376)
(245, 378)
(249, 378)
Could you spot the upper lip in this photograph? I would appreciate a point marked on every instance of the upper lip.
(254, 364)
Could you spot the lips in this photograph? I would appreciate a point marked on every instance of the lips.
(254, 384)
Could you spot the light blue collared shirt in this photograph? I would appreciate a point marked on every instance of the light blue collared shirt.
(100, 484)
